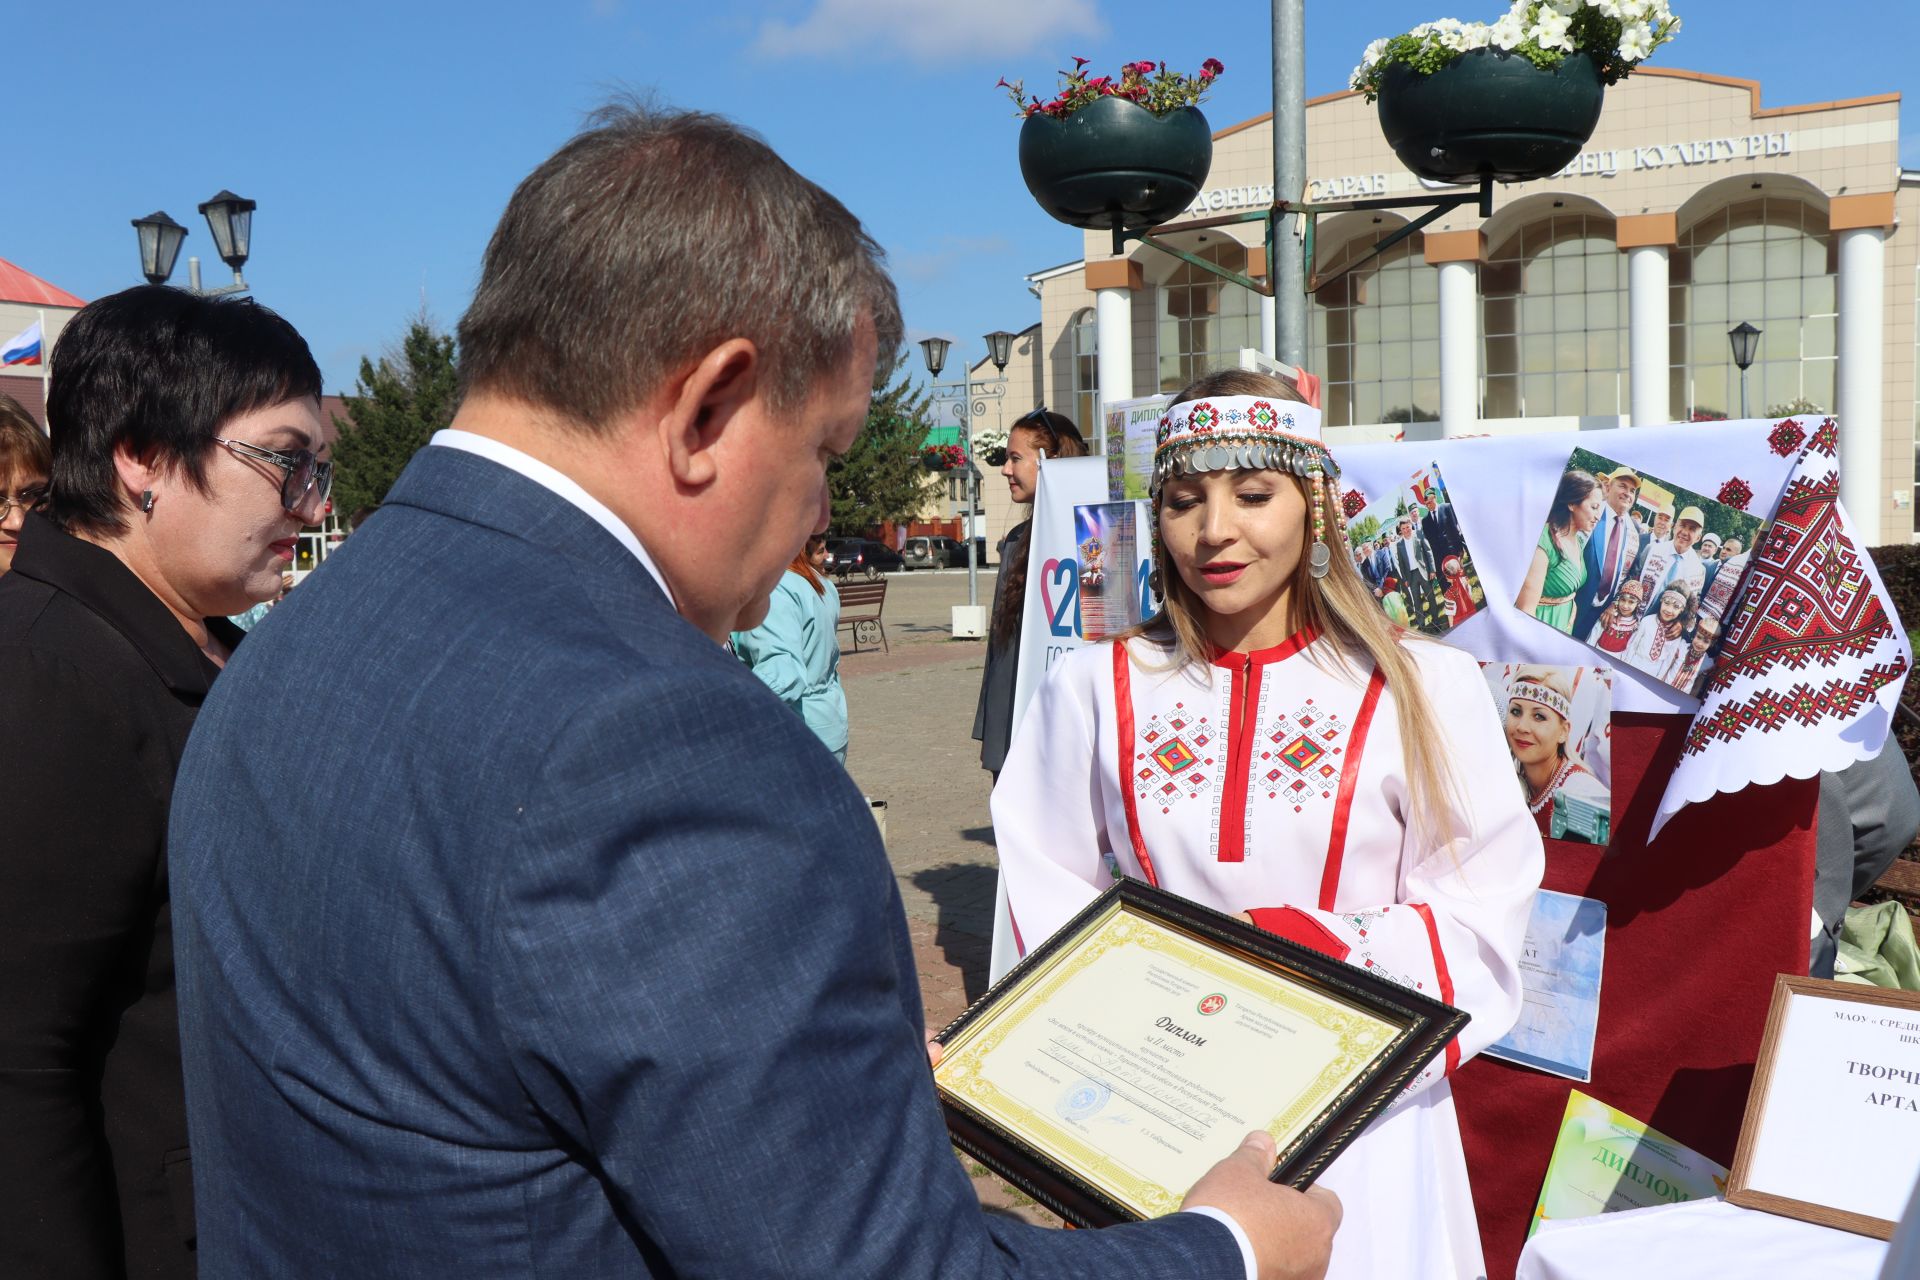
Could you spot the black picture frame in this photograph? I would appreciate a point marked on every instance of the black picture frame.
(1426, 1027)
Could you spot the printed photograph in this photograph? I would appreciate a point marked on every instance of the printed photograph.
(1559, 727)
(1642, 569)
(1408, 548)
(1106, 544)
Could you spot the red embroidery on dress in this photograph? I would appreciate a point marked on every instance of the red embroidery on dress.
(1171, 762)
(1300, 756)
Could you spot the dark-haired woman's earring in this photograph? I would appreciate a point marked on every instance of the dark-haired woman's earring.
(146, 502)
(1319, 559)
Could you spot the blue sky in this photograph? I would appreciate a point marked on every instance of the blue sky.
(382, 140)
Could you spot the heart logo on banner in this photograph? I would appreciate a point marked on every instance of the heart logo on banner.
(1046, 577)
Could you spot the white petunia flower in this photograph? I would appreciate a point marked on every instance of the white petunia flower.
(1477, 35)
(1636, 42)
(1550, 32)
(1375, 51)
(1507, 33)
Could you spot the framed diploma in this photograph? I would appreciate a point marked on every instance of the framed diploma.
(1832, 1130)
(1136, 1048)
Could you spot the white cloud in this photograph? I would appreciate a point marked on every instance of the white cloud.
(929, 30)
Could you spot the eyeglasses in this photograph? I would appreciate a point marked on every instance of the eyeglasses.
(25, 500)
(303, 493)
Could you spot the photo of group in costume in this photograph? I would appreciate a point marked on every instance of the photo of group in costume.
(1558, 722)
(1644, 570)
(1409, 549)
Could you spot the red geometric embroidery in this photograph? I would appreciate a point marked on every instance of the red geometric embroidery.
(1786, 438)
(1808, 603)
(1304, 752)
(1736, 493)
(1826, 439)
(1174, 757)
(1353, 502)
(1173, 770)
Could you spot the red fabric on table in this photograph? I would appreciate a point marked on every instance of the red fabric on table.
(1698, 924)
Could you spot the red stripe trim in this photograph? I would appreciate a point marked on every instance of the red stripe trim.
(1123, 723)
(1260, 657)
(1446, 979)
(1019, 943)
(1241, 727)
(1349, 781)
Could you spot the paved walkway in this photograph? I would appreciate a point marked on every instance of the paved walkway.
(911, 711)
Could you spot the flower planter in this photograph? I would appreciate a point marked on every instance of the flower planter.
(1490, 114)
(1115, 164)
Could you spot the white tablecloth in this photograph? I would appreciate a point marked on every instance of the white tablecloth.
(1698, 1240)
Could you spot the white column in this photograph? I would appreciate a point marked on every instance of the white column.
(1113, 345)
(1459, 347)
(1269, 329)
(1863, 261)
(1648, 340)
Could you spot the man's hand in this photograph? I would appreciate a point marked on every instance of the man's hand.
(935, 1050)
(1292, 1234)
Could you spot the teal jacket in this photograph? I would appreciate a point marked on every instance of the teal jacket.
(796, 653)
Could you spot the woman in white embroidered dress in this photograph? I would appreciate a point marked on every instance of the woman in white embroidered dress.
(1272, 745)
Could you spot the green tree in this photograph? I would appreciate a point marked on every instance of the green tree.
(403, 399)
(881, 478)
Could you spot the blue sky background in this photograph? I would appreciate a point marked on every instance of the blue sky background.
(382, 140)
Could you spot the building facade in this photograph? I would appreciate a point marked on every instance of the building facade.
(1599, 297)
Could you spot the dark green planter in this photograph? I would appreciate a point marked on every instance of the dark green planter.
(1490, 114)
(1113, 163)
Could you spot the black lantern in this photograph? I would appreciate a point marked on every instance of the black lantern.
(1000, 348)
(1746, 342)
(935, 350)
(230, 219)
(160, 238)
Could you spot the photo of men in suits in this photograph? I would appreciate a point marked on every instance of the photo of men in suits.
(573, 951)
(1412, 538)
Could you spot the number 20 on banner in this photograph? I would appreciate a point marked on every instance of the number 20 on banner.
(1060, 594)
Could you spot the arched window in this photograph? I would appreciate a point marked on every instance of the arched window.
(1554, 313)
(1204, 321)
(1086, 373)
(1375, 335)
(1769, 261)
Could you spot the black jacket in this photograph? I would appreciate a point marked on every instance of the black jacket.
(99, 685)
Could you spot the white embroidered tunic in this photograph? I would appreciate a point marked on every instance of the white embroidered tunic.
(1276, 780)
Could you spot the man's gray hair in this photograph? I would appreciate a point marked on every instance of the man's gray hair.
(649, 239)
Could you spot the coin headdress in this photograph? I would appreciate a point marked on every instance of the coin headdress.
(1242, 433)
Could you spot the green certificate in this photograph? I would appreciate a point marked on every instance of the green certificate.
(1119, 1063)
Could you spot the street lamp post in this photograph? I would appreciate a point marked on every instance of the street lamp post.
(971, 401)
(229, 220)
(1746, 341)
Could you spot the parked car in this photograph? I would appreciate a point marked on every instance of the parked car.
(862, 556)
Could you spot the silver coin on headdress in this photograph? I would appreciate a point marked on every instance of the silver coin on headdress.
(1319, 559)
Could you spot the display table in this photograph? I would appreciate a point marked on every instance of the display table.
(1703, 1239)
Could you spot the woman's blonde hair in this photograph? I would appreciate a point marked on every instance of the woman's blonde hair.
(1339, 607)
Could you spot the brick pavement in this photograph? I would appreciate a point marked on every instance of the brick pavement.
(911, 714)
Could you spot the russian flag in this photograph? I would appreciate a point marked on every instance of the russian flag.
(23, 347)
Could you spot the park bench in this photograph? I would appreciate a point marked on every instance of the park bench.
(860, 606)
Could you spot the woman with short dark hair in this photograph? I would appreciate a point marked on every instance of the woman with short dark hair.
(186, 436)
(25, 461)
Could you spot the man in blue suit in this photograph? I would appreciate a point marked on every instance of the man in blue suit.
(522, 931)
(1613, 551)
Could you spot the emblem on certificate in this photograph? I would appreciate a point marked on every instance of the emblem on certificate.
(1133, 1050)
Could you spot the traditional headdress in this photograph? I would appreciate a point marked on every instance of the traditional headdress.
(1541, 685)
(1238, 433)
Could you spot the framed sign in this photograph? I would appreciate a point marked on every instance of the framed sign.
(1136, 1048)
(1832, 1130)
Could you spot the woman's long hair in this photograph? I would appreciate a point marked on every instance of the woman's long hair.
(1055, 433)
(1574, 487)
(803, 563)
(1340, 607)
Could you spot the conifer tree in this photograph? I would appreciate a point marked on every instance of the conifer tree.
(403, 399)
(881, 478)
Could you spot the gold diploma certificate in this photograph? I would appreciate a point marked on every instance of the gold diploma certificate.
(1136, 1050)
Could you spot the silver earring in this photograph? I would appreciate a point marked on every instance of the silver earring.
(146, 502)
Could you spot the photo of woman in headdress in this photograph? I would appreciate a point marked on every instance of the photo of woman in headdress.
(1540, 737)
(1658, 635)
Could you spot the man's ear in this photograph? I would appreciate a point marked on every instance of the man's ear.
(707, 401)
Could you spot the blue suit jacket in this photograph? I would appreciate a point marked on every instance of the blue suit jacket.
(523, 932)
(1597, 591)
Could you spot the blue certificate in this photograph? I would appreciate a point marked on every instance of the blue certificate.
(1560, 972)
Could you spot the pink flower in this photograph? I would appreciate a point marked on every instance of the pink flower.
(1003, 84)
(1140, 68)
(1211, 68)
(1100, 83)
(1079, 63)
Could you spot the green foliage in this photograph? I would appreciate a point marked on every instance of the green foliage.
(881, 478)
(402, 401)
(1149, 84)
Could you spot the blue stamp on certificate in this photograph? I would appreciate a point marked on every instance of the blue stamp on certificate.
(1083, 1099)
(1560, 969)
